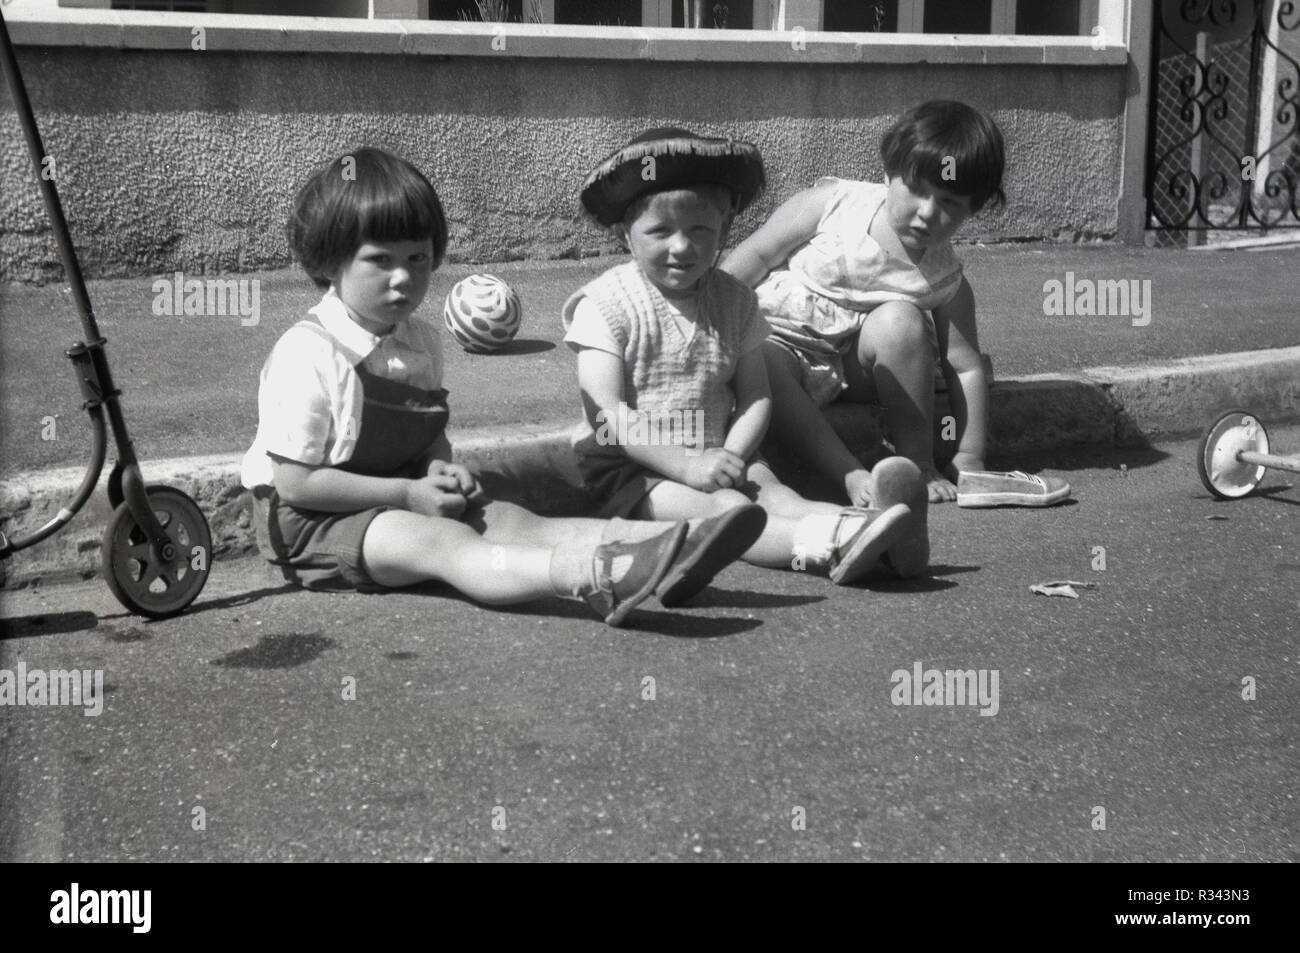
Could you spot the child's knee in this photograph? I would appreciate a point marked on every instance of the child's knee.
(894, 326)
(435, 533)
(503, 520)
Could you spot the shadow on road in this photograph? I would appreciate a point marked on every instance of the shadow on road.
(203, 605)
(47, 623)
(643, 619)
(684, 625)
(677, 623)
(522, 346)
(242, 598)
(1079, 458)
(1272, 492)
(931, 582)
(747, 599)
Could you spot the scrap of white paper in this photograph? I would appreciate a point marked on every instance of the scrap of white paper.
(1063, 587)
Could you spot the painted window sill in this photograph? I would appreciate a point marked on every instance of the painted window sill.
(281, 34)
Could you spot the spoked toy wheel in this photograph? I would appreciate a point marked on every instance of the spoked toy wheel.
(145, 584)
(1222, 473)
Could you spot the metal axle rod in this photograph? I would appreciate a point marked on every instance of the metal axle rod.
(1270, 460)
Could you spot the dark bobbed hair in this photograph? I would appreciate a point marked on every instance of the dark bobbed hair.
(916, 146)
(362, 196)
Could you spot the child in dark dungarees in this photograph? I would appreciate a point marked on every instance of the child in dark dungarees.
(351, 468)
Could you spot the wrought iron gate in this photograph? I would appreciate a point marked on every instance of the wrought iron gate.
(1225, 116)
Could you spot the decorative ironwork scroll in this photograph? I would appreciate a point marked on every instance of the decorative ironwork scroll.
(1224, 143)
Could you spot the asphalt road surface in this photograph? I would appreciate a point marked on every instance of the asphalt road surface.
(1152, 719)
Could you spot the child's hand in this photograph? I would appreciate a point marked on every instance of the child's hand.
(465, 481)
(941, 488)
(858, 486)
(715, 469)
(436, 495)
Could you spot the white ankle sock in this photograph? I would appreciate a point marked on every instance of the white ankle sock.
(817, 537)
(573, 569)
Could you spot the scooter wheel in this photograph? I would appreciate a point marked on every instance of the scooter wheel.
(1216, 459)
(152, 587)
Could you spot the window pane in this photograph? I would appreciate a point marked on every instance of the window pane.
(861, 16)
(599, 12)
(1048, 17)
(173, 6)
(720, 14)
(468, 9)
(958, 16)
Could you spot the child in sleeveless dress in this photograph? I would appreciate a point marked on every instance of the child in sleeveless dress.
(865, 294)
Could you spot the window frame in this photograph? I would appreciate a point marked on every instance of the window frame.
(397, 28)
(787, 14)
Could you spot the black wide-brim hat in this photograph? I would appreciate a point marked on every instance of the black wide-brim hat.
(681, 159)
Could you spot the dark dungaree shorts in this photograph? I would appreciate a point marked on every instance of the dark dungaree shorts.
(318, 550)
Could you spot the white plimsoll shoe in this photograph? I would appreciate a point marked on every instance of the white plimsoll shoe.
(860, 553)
(1016, 488)
(899, 480)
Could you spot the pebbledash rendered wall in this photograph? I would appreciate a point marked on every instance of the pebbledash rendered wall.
(169, 157)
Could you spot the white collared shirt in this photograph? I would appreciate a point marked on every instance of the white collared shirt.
(309, 398)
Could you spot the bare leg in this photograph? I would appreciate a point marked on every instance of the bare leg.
(896, 367)
(785, 508)
(799, 424)
(670, 500)
(509, 523)
(402, 548)
(782, 501)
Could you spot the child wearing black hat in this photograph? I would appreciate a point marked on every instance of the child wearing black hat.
(673, 381)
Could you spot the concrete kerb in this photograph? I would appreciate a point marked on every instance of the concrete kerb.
(1101, 407)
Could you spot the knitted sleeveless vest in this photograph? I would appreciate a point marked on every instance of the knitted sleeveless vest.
(665, 376)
